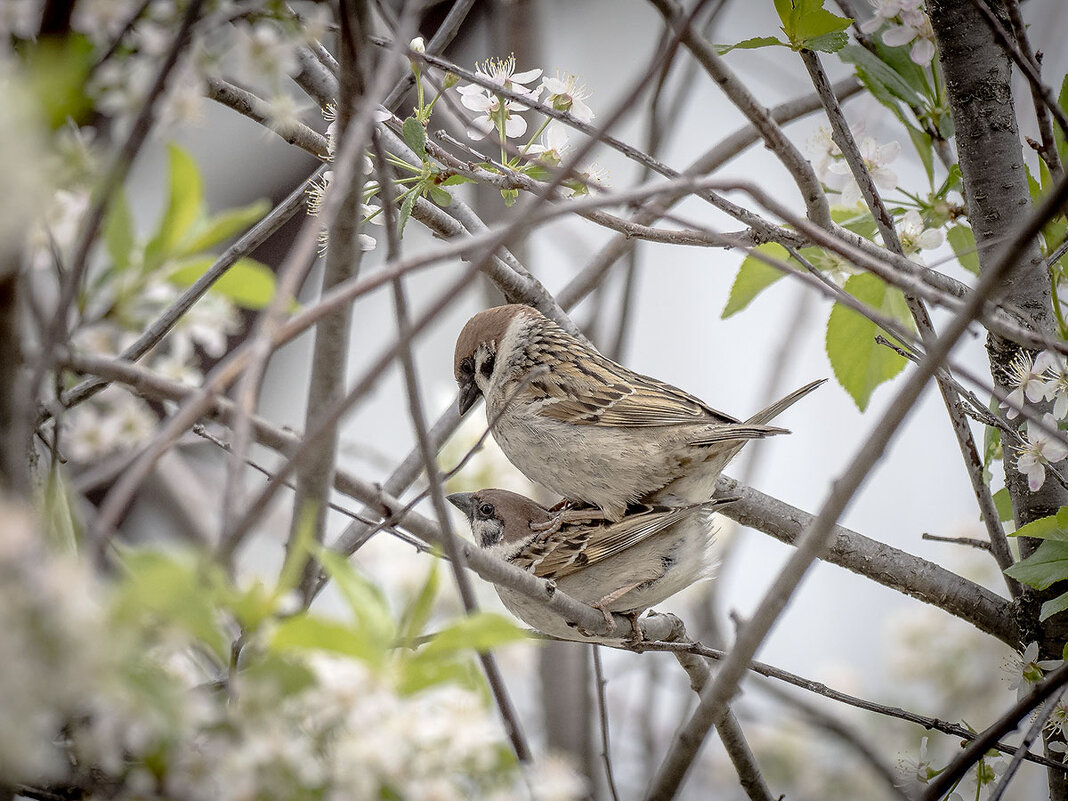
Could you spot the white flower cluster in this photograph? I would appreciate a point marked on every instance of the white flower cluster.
(907, 23)
(833, 170)
(115, 420)
(1043, 378)
(100, 695)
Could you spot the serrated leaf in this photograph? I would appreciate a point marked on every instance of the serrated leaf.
(754, 276)
(1046, 566)
(439, 195)
(1051, 527)
(962, 240)
(1052, 607)
(406, 209)
(308, 633)
(1003, 503)
(222, 226)
(828, 42)
(750, 44)
(185, 204)
(478, 632)
(861, 224)
(454, 180)
(415, 136)
(861, 364)
(784, 8)
(813, 24)
(119, 236)
(248, 283)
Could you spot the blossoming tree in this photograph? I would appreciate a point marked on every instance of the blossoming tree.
(141, 667)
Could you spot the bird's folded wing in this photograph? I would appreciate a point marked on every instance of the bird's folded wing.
(577, 546)
(584, 391)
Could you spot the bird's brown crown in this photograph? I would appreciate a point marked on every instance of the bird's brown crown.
(515, 510)
(486, 326)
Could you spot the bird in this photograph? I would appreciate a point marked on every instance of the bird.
(622, 566)
(588, 428)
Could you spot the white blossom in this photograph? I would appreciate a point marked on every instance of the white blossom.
(1027, 381)
(1039, 449)
(565, 93)
(875, 157)
(914, 236)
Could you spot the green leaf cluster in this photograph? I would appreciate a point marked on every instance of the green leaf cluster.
(181, 245)
(1049, 563)
(807, 26)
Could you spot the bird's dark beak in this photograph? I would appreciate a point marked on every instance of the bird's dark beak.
(469, 393)
(462, 501)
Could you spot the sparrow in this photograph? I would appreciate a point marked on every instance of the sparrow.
(587, 428)
(624, 566)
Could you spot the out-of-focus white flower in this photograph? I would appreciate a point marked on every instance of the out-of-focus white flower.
(823, 152)
(915, 237)
(917, 771)
(89, 433)
(1039, 449)
(553, 778)
(886, 10)
(19, 18)
(208, 324)
(417, 45)
(283, 111)
(565, 93)
(184, 102)
(58, 227)
(1027, 381)
(262, 53)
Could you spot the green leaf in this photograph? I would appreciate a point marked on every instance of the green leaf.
(880, 72)
(1046, 566)
(57, 70)
(754, 276)
(364, 599)
(784, 8)
(751, 44)
(512, 195)
(1053, 606)
(307, 633)
(860, 364)
(185, 205)
(922, 142)
(1058, 134)
(287, 676)
(899, 60)
(406, 209)
(962, 240)
(1052, 527)
(454, 180)
(417, 674)
(478, 632)
(59, 517)
(248, 283)
(418, 611)
(828, 42)
(415, 136)
(172, 589)
(1003, 502)
(222, 226)
(439, 195)
(119, 230)
(861, 224)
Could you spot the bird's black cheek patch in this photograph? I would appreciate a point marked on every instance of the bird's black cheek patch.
(487, 366)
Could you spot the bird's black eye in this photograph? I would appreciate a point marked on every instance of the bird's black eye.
(486, 510)
(467, 366)
(487, 366)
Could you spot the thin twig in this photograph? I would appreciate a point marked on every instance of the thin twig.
(1025, 746)
(971, 542)
(816, 537)
(602, 712)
